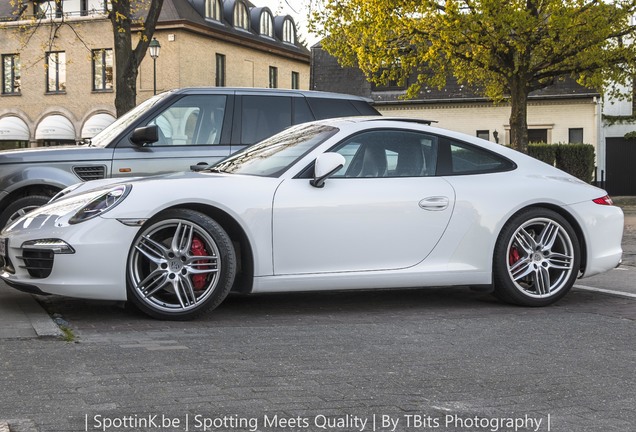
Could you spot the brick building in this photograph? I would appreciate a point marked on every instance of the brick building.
(60, 90)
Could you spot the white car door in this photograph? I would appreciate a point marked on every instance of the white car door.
(384, 210)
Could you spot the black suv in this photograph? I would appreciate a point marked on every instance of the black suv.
(178, 130)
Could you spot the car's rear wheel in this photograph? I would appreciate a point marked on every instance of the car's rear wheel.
(20, 207)
(180, 265)
(537, 258)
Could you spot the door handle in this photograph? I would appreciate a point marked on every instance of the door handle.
(437, 203)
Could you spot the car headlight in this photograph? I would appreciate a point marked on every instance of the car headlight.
(101, 203)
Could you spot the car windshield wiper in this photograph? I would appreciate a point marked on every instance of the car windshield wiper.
(214, 170)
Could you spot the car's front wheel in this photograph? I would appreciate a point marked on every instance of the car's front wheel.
(20, 207)
(180, 265)
(537, 258)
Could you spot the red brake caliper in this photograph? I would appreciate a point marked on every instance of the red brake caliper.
(198, 249)
(514, 256)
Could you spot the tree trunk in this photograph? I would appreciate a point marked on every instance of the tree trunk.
(127, 59)
(519, 114)
(126, 76)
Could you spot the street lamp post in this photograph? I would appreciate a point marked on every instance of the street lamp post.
(154, 48)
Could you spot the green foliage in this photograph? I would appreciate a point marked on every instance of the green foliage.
(630, 135)
(575, 159)
(506, 49)
(610, 120)
(544, 152)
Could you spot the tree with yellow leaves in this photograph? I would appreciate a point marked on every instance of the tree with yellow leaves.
(505, 49)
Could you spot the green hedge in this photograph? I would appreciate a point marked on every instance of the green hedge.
(575, 159)
(544, 152)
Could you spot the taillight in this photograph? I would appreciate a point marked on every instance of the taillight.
(606, 200)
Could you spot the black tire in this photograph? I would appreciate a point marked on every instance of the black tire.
(537, 258)
(180, 265)
(20, 207)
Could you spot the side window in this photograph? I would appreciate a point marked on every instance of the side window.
(388, 153)
(330, 108)
(192, 120)
(467, 159)
(365, 108)
(264, 116)
(302, 113)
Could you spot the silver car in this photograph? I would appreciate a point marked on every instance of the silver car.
(178, 130)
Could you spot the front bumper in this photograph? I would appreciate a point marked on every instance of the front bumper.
(96, 270)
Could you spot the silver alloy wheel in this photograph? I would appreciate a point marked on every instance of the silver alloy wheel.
(165, 270)
(540, 257)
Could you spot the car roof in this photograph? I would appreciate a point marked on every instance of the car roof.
(270, 91)
(366, 119)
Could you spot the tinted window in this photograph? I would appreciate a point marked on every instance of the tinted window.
(263, 116)
(302, 114)
(195, 119)
(388, 153)
(365, 108)
(466, 159)
(330, 108)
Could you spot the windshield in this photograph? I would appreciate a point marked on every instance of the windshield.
(273, 156)
(106, 136)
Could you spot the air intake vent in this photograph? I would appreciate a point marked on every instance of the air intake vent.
(87, 173)
(39, 263)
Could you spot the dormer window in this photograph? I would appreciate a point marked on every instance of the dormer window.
(213, 9)
(241, 16)
(289, 32)
(70, 8)
(267, 24)
(48, 9)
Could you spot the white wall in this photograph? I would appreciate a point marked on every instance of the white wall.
(555, 116)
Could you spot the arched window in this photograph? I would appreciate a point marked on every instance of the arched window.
(213, 9)
(267, 24)
(241, 16)
(289, 32)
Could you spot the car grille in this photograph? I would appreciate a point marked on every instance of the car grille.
(87, 173)
(38, 263)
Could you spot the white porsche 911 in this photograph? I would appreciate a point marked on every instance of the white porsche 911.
(354, 203)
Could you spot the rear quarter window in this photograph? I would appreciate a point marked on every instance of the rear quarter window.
(460, 158)
(330, 108)
(365, 108)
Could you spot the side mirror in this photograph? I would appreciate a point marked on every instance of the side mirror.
(326, 165)
(145, 135)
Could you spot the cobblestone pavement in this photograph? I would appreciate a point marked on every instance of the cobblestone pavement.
(398, 354)
(410, 360)
(629, 243)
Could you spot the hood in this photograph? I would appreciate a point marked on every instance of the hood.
(69, 153)
(83, 187)
(150, 195)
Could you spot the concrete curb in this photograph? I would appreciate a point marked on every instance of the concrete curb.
(40, 320)
(17, 426)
